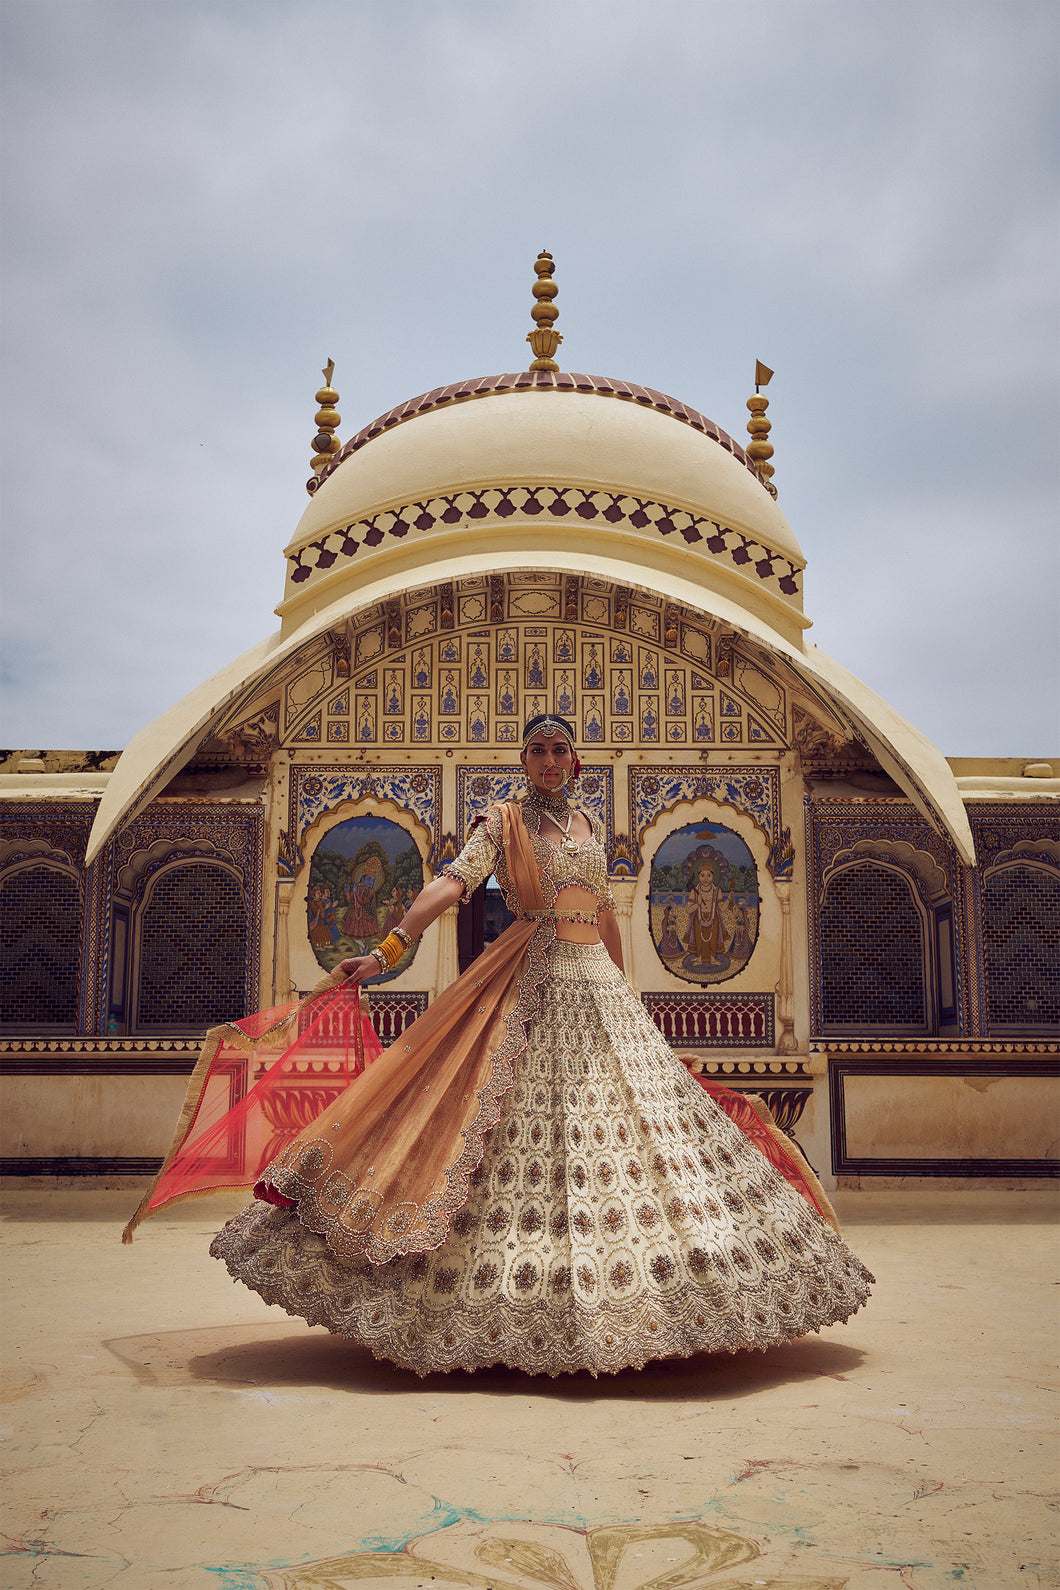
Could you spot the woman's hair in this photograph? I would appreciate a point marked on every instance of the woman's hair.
(547, 723)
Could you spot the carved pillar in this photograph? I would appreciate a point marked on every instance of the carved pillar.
(786, 1040)
(281, 960)
(447, 963)
(623, 890)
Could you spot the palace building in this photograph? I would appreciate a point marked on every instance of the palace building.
(815, 904)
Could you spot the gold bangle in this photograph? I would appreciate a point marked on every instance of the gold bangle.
(406, 938)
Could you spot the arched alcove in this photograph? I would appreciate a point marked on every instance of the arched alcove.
(190, 949)
(40, 939)
(1021, 948)
(871, 945)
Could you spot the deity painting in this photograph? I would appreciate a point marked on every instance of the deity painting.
(363, 874)
(704, 903)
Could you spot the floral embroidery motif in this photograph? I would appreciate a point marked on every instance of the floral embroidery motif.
(613, 1219)
(662, 1267)
(647, 1216)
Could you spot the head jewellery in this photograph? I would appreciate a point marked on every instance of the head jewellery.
(545, 724)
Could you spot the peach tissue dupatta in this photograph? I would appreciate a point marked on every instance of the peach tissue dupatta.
(383, 1171)
(386, 1164)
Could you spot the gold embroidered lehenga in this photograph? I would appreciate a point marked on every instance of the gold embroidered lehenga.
(530, 1176)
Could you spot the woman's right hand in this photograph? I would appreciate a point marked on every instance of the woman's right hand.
(359, 968)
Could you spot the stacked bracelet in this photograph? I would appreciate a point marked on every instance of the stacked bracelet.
(390, 951)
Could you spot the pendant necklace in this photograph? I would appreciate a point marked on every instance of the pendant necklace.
(555, 808)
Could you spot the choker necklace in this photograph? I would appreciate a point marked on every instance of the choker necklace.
(556, 807)
(553, 802)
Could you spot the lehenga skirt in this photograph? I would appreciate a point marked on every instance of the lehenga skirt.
(617, 1216)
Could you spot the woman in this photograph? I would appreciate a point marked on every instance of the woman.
(529, 1176)
(670, 945)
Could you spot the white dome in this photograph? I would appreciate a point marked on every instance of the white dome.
(546, 458)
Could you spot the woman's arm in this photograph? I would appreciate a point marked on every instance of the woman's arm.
(427, 907)
(607, 922)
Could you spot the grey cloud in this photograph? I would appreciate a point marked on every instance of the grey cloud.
(204, 201)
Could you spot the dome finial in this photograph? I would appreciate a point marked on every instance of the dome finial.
(544, 339)
(759, 450)
(325, 443)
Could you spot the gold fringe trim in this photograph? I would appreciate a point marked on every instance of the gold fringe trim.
(229, 1033)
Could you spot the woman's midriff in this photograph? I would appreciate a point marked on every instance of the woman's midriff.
(573, 898)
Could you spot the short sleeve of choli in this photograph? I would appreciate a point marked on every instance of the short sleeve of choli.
(607, 899)
(477, 859)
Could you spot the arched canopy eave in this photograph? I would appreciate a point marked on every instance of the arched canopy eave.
(158, 752)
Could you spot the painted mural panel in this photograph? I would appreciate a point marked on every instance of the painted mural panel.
(704, 903)
(365, 874)
(651, 683)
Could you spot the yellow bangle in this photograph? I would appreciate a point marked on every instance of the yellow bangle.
(392, 948)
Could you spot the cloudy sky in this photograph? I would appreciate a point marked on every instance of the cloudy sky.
(203, 202)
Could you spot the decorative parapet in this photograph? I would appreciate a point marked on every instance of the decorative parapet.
(87, 1056)
(713, 1021)
(938, 1048)
(468, 507)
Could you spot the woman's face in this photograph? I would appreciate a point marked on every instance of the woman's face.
(548, 760)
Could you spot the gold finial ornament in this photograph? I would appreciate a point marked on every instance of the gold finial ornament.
(325, 443)
(544, 339)
(759, 448)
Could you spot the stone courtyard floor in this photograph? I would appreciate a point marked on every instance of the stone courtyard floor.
(165, 1430)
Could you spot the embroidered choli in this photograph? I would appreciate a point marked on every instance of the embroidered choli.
(557, 868)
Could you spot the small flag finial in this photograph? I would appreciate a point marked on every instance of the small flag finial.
(759, 448)
(325, 443)
(544, 339)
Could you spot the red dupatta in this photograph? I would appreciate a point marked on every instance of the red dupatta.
(755, 1119)
(256, 1083)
